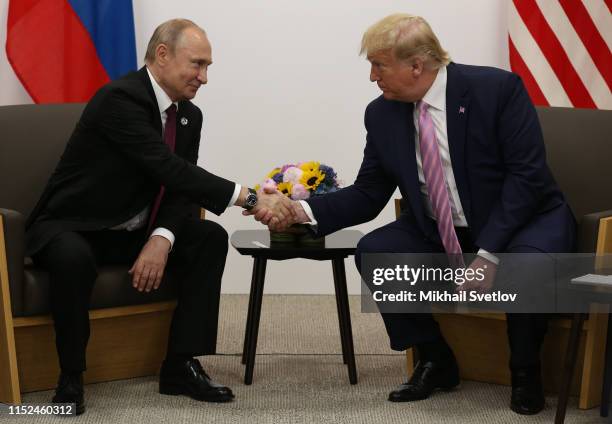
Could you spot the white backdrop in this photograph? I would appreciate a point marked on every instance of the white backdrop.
(287, 85)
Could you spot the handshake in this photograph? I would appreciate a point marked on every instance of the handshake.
(276, 210)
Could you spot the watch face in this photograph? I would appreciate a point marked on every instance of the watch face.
(251, 200)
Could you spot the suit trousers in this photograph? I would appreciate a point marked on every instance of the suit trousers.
(525, 331)
(195, 265)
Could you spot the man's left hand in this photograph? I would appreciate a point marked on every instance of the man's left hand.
(489, 269)
(148, 270)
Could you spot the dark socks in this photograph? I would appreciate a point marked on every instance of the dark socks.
(436, 351)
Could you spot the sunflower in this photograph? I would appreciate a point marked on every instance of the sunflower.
(309, 166)
(273, 173)
(285, 188)
(312, 179)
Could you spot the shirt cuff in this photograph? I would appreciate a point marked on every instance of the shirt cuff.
(488, 256)
(235, 195)
(312, 221)
(165, 233)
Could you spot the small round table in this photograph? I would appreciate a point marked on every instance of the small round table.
(337, 247)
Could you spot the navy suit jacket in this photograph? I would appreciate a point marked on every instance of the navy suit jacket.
(499, 162)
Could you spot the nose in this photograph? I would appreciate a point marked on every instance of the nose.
(203, 75)
(373, 75)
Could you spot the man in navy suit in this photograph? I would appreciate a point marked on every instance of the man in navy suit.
(484, 188)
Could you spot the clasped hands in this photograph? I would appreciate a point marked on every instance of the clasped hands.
(276, 210)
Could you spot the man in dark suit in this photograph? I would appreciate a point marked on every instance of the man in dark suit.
(464, 146)
(123, 193)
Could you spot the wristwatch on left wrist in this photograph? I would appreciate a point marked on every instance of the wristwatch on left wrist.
(251, 200)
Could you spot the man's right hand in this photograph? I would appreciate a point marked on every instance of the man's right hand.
(277, 211)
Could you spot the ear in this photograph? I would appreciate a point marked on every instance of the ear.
(418, 67)
(162, 54)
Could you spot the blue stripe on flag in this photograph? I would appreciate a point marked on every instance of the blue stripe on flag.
(110, 24)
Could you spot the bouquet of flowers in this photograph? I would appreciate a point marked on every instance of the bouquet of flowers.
(302, 180)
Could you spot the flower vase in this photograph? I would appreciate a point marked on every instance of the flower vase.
(296, 234)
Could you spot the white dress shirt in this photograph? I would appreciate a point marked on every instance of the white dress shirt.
(140, 220)
(436, 99)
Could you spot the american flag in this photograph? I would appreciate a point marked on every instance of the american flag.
(562, 50)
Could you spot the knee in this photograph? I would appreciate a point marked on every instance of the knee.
(212, 234)
(68, 254)
(368, 244)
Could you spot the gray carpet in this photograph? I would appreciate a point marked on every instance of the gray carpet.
(299, 378)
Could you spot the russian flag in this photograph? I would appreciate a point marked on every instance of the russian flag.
(65, 50)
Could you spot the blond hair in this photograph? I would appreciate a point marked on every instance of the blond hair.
(408, 37)
(168, 33)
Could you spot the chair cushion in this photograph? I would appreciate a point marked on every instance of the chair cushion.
(113, 288)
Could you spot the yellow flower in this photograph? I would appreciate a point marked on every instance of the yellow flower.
(257, 187)
(311, 179)
(285, 188)
(273, 173)
(310, 166)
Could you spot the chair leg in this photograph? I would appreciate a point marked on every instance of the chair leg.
(9, 377)
(260, 274)
(607, 384)
(570, 361)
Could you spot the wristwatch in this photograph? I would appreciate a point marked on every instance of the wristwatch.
(251, 200)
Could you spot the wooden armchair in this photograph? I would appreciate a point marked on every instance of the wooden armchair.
(128, 329)
(578, 150)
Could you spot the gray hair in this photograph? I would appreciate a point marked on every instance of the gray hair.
(168, 33)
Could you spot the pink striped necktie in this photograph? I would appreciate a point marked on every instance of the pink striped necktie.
(170, 140)
(436, 185)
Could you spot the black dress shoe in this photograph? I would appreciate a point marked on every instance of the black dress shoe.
(427, 377)
(187, 377)
(70, 390)
(527, 392)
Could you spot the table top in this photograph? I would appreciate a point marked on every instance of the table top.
(256, 243)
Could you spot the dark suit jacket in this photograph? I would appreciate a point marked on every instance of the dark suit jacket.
(115, 162)
(506, 189)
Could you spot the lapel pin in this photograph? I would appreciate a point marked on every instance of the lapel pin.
(461, 109)
(184, 121)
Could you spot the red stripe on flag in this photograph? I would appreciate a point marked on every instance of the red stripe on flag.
(609, 4)
(518, 65)
(554, 53)
(51, 52)
(590, 36)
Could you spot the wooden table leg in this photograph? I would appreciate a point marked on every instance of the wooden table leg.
(340, 317)
(571, 354)
(607, 383)
(249, 320)
(260, 275)
(342, 294)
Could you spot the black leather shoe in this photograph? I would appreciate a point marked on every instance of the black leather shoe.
(427, 377)
(188, 378)
(70, 390)
(527, 392)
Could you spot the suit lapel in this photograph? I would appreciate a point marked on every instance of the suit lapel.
(457, 113)
(143, 75)
(406, 158)
(183, 126)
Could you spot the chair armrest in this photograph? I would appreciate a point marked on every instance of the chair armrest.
(588, 230)
(14, 247)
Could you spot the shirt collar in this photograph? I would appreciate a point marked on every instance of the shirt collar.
(163, 100)
(436, 95)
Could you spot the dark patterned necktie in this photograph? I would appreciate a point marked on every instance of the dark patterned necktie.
(170, 140)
